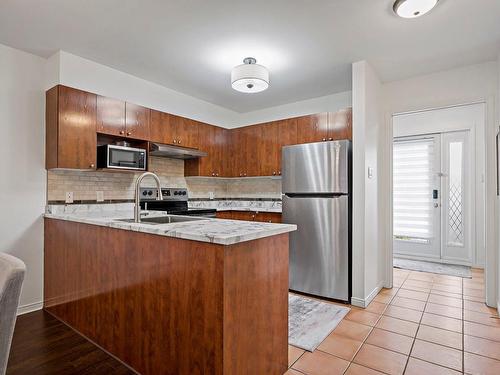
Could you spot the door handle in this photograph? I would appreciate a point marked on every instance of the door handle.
(435, 194)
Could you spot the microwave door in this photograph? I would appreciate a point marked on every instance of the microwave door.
(126, 158)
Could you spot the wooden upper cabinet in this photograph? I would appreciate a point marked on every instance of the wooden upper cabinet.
(340, 125)
(287, 135)
(268, 149)
(312, 128)
(137, 121)
(71, 139)
(247, 148)
(160, 127)
(110, 116)
(186, 132)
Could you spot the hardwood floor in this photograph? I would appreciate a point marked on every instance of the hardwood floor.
(42, 345)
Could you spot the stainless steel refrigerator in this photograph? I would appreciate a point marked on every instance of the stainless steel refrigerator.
(317, 197)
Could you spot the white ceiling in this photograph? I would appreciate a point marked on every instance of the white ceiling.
(308, 45)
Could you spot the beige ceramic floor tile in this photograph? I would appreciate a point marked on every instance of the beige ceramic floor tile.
(477, 317)
(376, 307)
(352, 330)
(480, 330)
(293, 354)
(402, 327)
(475, 364)
(363, 317)
(479, 307)
(450, 312)
(355, 369)
(403, 313)
(390, 340)
(440, 336)
(291, 371)
(381, 359)
(437, 354)
(340, 346)
(484, 347)
(320, 363)
(412, 294)
(447, 301)
(442, 322)
(418, 367)
(383, 298)
(408, 303)
(447, 288)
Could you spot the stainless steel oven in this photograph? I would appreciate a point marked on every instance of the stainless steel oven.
(121, 157)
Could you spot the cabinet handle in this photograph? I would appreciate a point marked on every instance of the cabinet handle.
(122, 132)
(129, 133)
(92, 165)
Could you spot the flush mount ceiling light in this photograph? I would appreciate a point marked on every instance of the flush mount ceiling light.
(250, 77)
(413, 8)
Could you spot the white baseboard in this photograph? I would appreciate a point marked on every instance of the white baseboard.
(29, 308)
(360, 302)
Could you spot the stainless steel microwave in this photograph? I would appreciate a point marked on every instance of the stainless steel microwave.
(121, 157)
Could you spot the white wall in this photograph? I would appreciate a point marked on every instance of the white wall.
(87, 75)
(368, 248)
(22, 186)
(497, 212)
(475, 83)
(328, 103)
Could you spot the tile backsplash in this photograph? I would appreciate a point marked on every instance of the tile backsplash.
(120, 185)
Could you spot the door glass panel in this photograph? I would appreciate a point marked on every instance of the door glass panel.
(455, 195)
(413, 163)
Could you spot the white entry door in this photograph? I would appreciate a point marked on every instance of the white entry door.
(431, 190)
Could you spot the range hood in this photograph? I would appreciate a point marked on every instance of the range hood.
(174, 152)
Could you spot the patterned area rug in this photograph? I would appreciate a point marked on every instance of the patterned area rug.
(443, 269)
(311, 321)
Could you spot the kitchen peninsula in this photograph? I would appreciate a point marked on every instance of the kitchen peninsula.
(205, 296)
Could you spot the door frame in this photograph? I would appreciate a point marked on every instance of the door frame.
(485, 137)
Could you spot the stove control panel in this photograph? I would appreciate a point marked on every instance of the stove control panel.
(172, 194)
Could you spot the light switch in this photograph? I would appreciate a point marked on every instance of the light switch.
(100, 196)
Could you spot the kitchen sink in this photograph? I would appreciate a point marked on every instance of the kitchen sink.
(168, 219)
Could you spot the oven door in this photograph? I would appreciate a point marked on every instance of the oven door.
(126, 157)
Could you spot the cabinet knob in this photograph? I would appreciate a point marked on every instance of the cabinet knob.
(244, 174)
(129, 133)
(92, 165)
(279, 173)
(274, 173)
(122, 132)
(324, 139)
(175, 140)
(213, 174)
(269, 221)
(216, 175)
(179, 141)
(330, 139)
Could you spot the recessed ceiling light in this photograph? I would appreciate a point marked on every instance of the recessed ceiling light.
(250, 77)
(413, 8)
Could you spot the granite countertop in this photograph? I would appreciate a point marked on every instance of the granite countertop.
(219, 231)
(239, 205)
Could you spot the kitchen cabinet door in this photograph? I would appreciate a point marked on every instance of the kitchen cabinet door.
(340, 125)
(160, 128)
(110, 116)
(204, 166)
(136, 121)
(268, 149)
(253, 148)
(219, 161)
(71, 128)
(312, 128)
(268, 217)
(224, 215)
(243, 215)
(287, 135)
(186, 132)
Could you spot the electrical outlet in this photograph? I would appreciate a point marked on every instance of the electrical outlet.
(69, 197)
(211, 195)
(100, 196)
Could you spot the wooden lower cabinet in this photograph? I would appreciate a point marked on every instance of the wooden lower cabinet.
(264, 217)
(168, 306)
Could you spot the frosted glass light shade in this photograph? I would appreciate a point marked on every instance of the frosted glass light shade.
(250, 78)
(413, 8)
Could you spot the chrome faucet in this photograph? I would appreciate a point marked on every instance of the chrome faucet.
(137, 209)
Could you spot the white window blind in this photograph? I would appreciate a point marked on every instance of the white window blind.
(413, 163)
